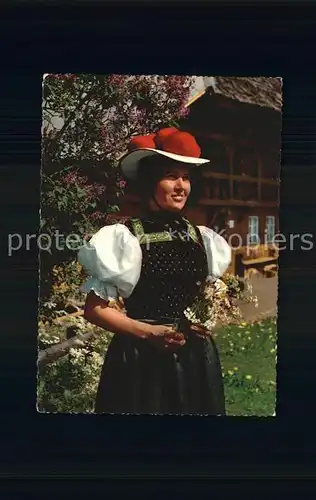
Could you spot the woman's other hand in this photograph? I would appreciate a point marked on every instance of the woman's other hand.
(200, 331)
(166, 337)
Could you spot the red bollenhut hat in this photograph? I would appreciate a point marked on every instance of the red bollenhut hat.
(168, 142)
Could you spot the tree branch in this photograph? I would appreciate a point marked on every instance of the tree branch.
(72, 115)
(48, 356)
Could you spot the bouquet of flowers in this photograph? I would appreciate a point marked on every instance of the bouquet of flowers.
(217, 302)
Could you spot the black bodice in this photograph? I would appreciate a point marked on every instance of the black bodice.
(174, 264)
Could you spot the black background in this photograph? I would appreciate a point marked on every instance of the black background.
(248, 40)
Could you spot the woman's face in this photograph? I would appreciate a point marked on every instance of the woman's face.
(173, 189)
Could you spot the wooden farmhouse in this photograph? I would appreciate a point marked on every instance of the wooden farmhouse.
(237, 123)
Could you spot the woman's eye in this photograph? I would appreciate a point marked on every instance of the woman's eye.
(175, 177)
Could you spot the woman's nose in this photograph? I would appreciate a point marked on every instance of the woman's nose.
(180, 184)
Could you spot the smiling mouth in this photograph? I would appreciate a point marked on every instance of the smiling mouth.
(178, 198)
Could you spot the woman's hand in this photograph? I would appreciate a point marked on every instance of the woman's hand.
(200, 331)
(165, 337)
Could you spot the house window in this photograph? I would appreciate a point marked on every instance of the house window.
(253, 230)
(270, 228)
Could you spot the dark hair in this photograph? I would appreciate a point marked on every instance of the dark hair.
(151, 170)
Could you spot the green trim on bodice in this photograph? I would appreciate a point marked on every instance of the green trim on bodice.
(163, 236)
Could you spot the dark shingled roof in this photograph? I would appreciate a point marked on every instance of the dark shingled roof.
(261, 91)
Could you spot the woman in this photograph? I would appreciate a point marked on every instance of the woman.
(156, 264)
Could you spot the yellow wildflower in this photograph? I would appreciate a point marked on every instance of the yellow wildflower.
(248, 377)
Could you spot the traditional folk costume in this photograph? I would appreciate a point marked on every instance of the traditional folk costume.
(157, 263)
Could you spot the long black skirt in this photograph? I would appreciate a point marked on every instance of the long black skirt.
(139, 378)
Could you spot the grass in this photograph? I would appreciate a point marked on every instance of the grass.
(248, 357)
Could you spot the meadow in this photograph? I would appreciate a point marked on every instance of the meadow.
(248, 358)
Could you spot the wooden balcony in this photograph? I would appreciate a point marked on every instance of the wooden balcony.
(237, 203)
(243, 178)
(219, 202)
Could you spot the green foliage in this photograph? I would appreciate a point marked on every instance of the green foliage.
(66, 279)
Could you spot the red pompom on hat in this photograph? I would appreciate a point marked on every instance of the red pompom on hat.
(162, 135)
(142, 141)
(181, 143)
(168, 142)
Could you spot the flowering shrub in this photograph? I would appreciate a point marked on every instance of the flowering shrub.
(93, 116)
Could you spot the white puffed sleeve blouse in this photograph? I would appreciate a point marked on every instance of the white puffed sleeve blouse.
(112, 258)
